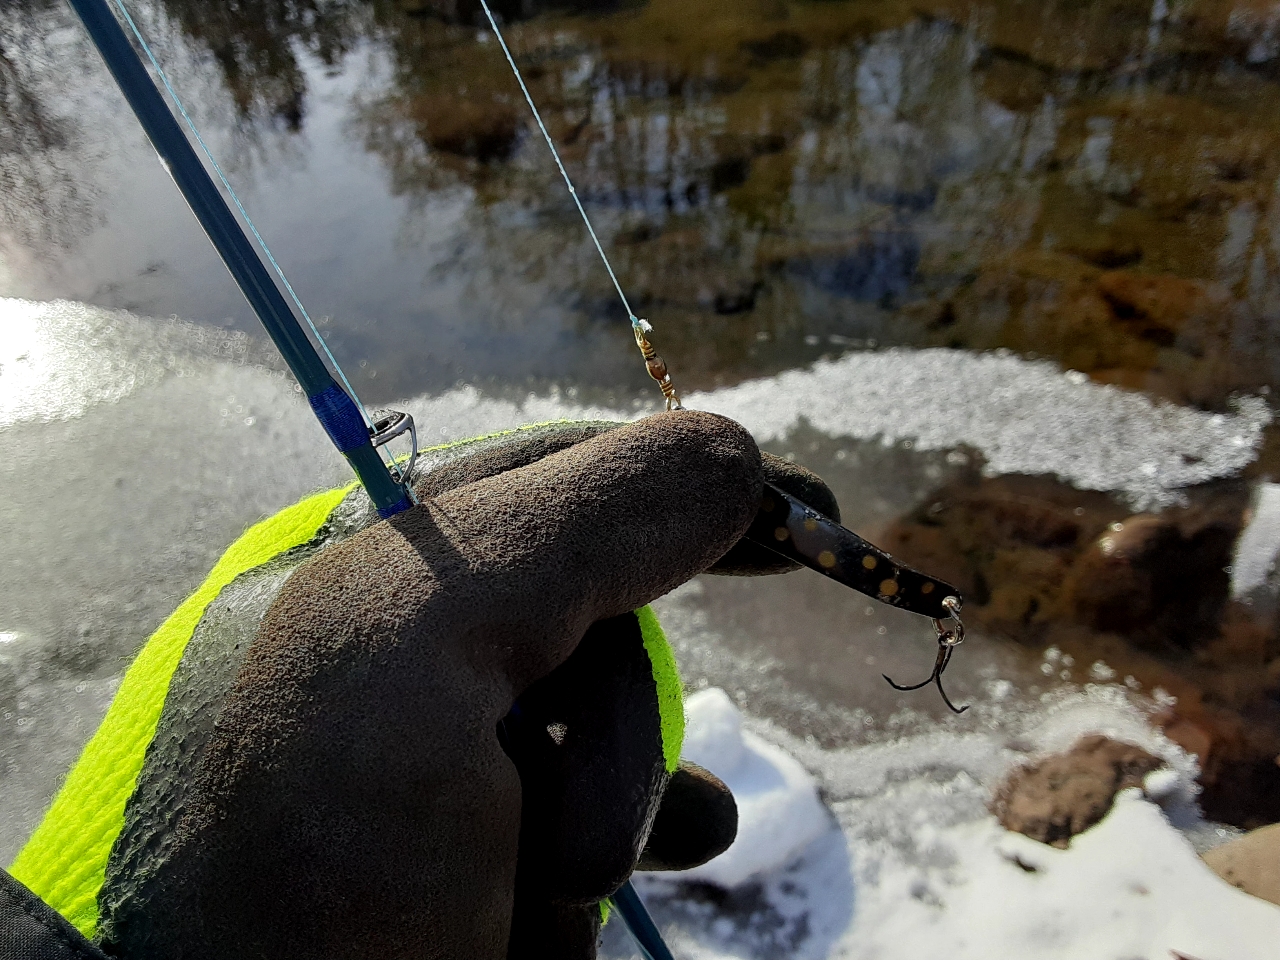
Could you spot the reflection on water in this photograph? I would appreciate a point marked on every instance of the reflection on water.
(44, 196)
(776, 180)
(255, 47)
(1094, 184)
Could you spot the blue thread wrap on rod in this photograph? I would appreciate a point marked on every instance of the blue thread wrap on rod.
(237, 253)
(400, 506)
(341, 420)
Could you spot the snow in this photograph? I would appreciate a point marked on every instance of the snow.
(779, 813)
(1130, 887)
(1023, 416)
(1259, 544)
(915, 865)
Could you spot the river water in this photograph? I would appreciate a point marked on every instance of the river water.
(921, 248)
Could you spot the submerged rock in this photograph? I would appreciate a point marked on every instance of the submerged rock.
(1065, 794)
(479, 129)
(1144, 598)
(1175, 337)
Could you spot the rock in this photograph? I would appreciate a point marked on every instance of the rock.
(1251, 862)
(1065, 794)
(1159, 580)
(1159, 332)
(1007, 542)
(1158, 308)
(1031, 551)
(1145, 594)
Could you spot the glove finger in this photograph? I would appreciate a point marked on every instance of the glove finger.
(698, 820)
(535, 555)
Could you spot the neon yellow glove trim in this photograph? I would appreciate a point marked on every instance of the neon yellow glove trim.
(666, 674)
(65, 860)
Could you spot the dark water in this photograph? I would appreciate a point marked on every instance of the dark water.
(1090, 183)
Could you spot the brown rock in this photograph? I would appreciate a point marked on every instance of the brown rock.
(1158, 307)
(1251, 862)
(1065, 794)
(1153, 331)
(1028, 552)
(1159, 580)
(1008, 543)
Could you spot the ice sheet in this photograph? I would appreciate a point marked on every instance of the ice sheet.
(1022, 416)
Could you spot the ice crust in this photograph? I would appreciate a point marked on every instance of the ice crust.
(1022, 416)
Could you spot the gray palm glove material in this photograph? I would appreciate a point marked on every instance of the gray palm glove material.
(346, 795)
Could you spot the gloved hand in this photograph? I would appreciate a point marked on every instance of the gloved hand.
(332, 774)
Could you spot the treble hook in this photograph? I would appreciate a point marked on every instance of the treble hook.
(948, 640)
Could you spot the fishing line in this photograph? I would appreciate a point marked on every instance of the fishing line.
(635, 321)
(297, 301)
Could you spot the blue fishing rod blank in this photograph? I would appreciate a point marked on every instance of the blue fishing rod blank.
(643, 929)
(333, 407)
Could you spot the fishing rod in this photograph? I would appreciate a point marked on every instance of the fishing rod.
(335, 407)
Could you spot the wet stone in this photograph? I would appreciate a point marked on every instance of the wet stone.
(1047, 567)
(1060, 796)
(1251, 862)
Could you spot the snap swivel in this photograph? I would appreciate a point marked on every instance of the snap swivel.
(656, 366)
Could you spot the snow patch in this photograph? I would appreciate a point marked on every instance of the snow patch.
(919, 867)
(1259, 544)
(1023, 416)
(779, 813)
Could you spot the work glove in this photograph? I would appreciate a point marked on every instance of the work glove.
(447, 734)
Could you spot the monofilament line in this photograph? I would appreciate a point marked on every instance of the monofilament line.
(262, 244)
(635, 321)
